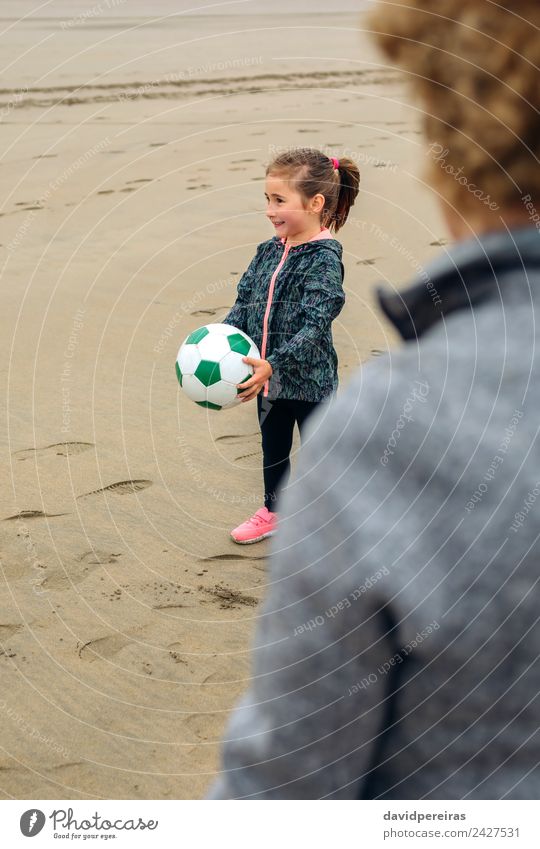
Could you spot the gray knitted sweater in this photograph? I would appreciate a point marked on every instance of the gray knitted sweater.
(397, 652)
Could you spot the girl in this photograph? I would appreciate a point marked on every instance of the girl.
(286, 301)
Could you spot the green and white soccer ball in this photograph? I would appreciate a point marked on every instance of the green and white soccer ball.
(209, 365)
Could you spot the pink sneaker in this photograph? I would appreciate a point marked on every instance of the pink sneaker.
(263, 524)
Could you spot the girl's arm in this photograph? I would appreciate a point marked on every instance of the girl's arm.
(322, 302)
(237, 315)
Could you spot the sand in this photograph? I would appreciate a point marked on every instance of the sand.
(132, 170)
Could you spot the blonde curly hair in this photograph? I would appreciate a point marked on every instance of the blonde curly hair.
(475, 66)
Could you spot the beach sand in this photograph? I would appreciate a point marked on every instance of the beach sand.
(132, 179)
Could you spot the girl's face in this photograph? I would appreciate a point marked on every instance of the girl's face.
(286, 210)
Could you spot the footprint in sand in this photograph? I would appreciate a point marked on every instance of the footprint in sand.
(236, 161)
(202, 186)
(202, 726)
(7, 631)
(208, 311)
(32, 514)
(157, 144)
(368, 261)
(7, 653)
(438, 243)
(120, 488)
(75, 573)
(69, 765)
(231, 557)
(376, 352)
(229, 599)
(102, 647)
(245, 456)
(106, 192)
(233, 437)
(142, 180)
(174, 650)
(97, 557)
(59, 449)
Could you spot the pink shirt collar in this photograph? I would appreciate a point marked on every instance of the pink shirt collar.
(323, 234)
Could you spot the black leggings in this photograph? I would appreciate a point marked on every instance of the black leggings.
(277, 419)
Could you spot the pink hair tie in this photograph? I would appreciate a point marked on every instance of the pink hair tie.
(335, 163)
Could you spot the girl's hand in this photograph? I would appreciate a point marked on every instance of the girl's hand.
(262, 370)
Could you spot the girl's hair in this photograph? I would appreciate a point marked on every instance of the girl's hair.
(474, 66)
(312, 172)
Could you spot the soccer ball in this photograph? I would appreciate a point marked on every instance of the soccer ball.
(209, 365)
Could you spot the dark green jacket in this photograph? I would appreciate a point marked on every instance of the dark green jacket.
(306, 297)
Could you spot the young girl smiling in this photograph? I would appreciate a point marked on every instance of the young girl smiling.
(286, 302)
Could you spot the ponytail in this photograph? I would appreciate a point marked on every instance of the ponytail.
(349, 185)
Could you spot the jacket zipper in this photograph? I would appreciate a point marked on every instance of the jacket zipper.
(267, 311)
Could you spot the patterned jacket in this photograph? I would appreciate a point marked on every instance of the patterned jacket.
(286, 302)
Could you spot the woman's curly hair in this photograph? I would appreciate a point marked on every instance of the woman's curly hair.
(475, 65)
